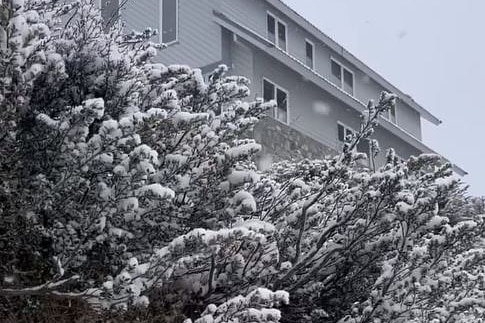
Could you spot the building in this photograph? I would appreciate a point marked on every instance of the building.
(320, 88)
(3, 22)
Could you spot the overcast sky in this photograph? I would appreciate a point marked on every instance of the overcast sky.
(433, 50)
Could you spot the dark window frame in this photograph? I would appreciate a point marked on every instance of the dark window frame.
(162, 32)
(274, 96)
(343, 72)
(271, 28)
(310, 61)
(275, 36)
(334, 68)
(343, 130)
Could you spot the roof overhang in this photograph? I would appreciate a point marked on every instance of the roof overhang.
(294, 64)
(326, 40)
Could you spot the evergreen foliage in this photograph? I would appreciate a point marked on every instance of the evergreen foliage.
(129, 185)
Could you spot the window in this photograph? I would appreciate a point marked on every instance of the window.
(309, 52)
(363, 146)
(343, 76)
(272, 91)
(271, 23)
(282, 36)
(336, 70)
(276, 31)
(348, 81)
(390, 115)
(268, 91)
(344, 132)
(109, 11)
(169, 21)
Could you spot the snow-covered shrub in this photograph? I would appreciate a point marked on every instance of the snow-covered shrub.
(125, 182)
(393, 244)
(246, 309)
(116, 171)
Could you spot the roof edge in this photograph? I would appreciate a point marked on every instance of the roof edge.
(299, 19)
(262, 43)
(460, 171)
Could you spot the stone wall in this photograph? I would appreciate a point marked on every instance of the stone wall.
(280, 142)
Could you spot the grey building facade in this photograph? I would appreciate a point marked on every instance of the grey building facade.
(320, 88)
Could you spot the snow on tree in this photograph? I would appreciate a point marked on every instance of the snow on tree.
(359, 245)
(246, 309)
(116, 169)
(125, 182)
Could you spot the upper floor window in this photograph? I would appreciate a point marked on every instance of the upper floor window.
(344, 132)
(271, 91)
(169, 21)
(391, 115)
(276, 31)
(344, 76)
(309, 53)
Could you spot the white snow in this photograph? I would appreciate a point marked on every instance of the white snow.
(187, 117)
(156, 190)
(95, 105)
(246, 200)
(128, 204)
(243, 150)
(238, 177)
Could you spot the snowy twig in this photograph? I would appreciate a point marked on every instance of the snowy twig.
(44, 289)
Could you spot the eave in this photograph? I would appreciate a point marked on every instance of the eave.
(294, 64)
(318, 34)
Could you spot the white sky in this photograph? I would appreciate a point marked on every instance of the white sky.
(433, 50)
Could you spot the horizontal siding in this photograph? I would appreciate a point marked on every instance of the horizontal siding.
(200, 44)
(387, 140)
(252, 14)
(314, 112)
(409, 119)
(242, 59)
(199, 38)
(140, 14)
